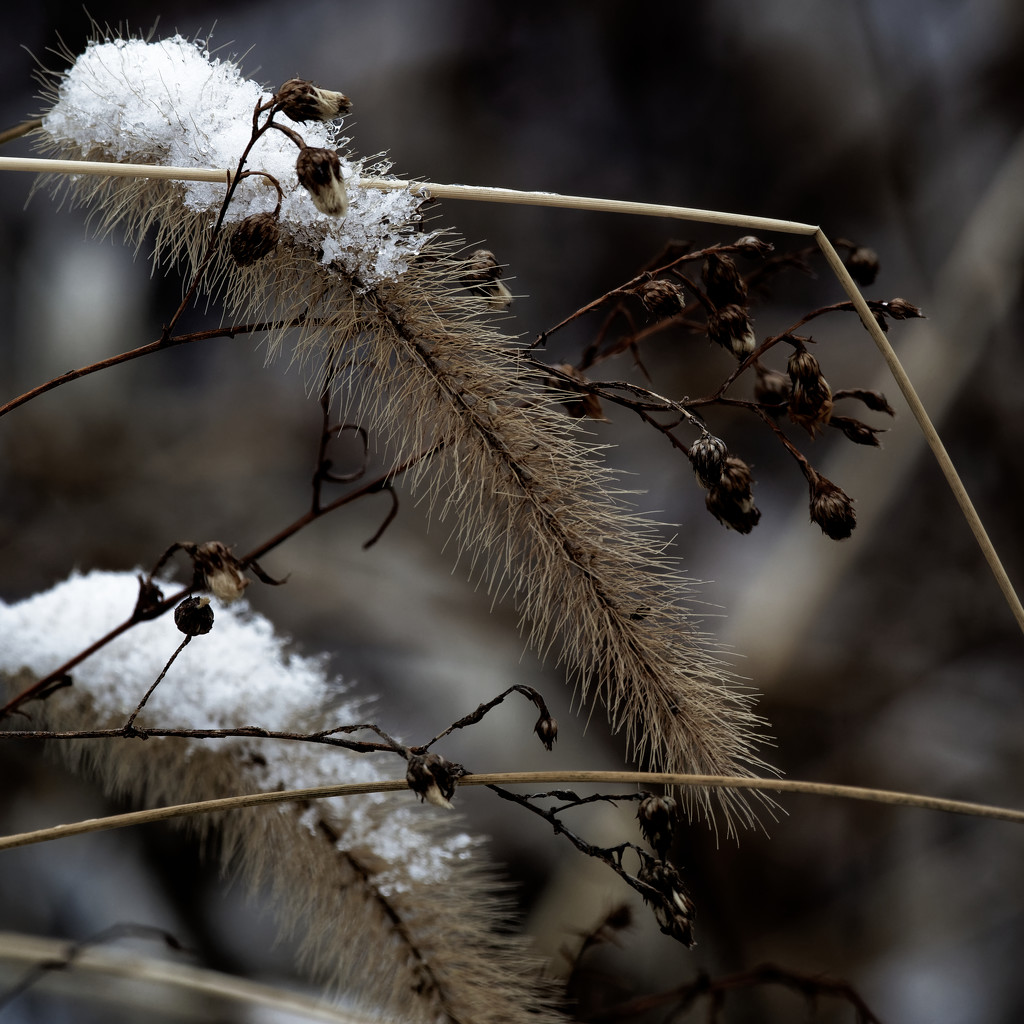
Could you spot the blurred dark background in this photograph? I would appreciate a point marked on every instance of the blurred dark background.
(887, 660)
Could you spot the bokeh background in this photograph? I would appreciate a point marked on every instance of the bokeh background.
(889, 659)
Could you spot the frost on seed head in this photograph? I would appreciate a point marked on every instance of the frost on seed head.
(172, 103)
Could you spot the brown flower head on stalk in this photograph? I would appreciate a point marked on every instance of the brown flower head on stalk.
(538, 517)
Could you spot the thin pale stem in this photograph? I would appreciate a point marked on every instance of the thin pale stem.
(924, 421)
(878, 796)
(32, 951)
(551, 199)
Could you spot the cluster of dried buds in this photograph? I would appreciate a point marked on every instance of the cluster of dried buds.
(727, 480)
(662, 885)
(318, 169)
(725, 294)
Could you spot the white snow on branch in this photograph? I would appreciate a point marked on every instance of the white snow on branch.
(240, 674)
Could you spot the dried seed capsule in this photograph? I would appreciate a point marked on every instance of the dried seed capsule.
(194, 616)
(432, 777)
(731, 500)
(661, 297)
(810, 403)
(707, 456)
(751, 245)
(656, 815)
(254, 238)
(862, 263)
(772, 388)
(547, 729)
(216, 569)
(900, 309)
(670, 901)
(723, 282)
(319, 172)
(856, 431)
(303, 101)
(831, 508)
(731, 328)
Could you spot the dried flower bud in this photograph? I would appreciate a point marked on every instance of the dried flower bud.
(483, 277)
(900, 309)
(752, 246)
(319, 172)
(831, 508)
(707, 456)
(670, 902)
(194, 616)
(216, 569)
(874, 400)
(810, 403)
(660, 297)
(722, 280)
(730, 327)
(586, 406)
(254, 238)
(303, 101)
(547, 729)
(771, 388)
(657, 815)
(731, 501)
(432, 777)
(857, 432)
(862, 263)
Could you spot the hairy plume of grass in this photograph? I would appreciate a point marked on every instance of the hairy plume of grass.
(420, 360)
(390, 904)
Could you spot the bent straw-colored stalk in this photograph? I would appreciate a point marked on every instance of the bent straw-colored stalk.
(826, 789)
(63, 958)
(551, 199)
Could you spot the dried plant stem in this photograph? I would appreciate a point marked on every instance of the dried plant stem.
(503, 195)
(878, 796)
(924, 421)
(64, 956)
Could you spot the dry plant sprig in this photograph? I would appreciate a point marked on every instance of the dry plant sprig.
(428, 946)
(891, 798)
(389, 325)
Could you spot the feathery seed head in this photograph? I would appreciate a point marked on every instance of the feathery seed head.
(254, 238)
(303, 101)
(194, 616)
(319, 173)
